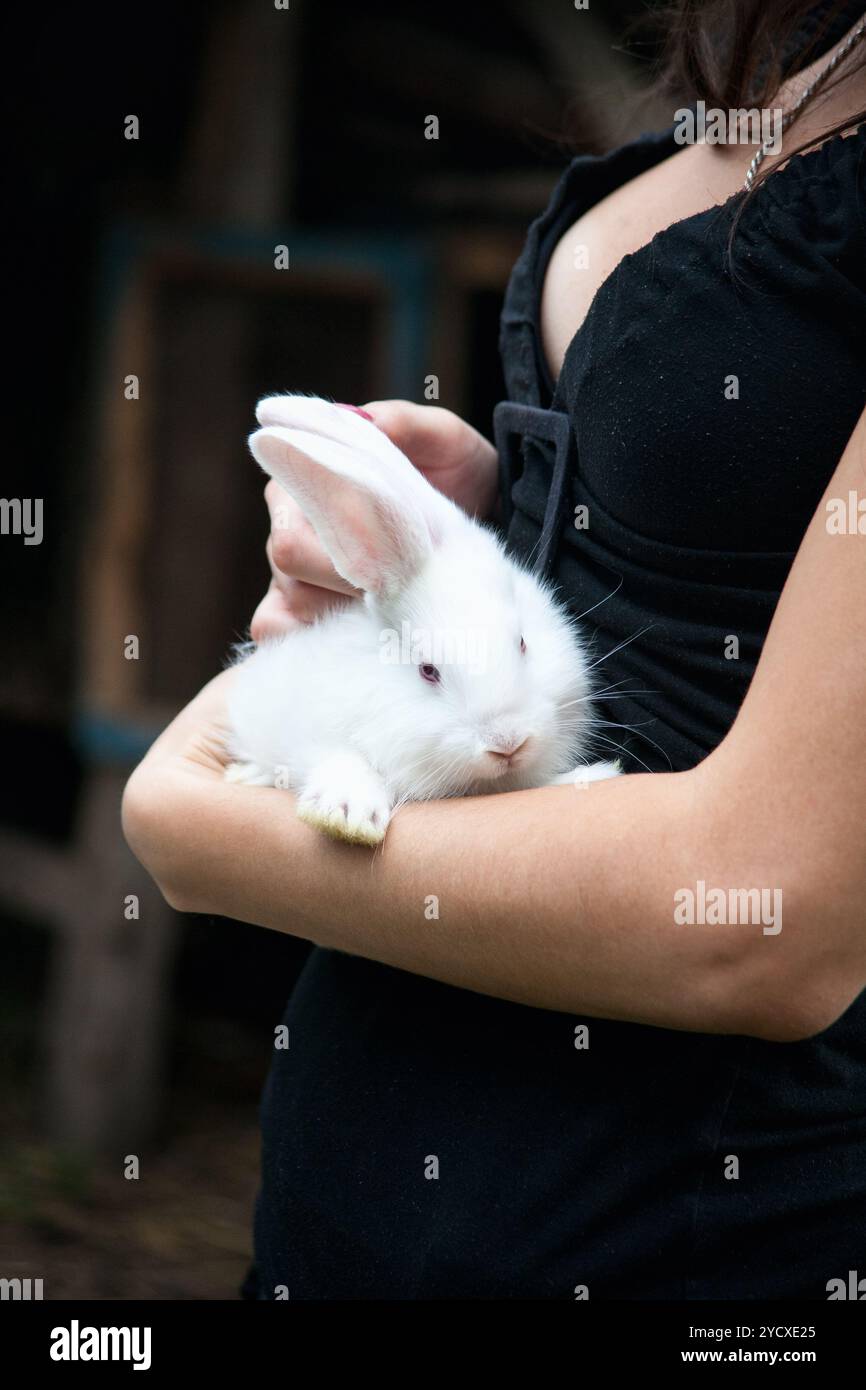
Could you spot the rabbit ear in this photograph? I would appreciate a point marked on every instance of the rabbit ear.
(376, 537)
(372, 446)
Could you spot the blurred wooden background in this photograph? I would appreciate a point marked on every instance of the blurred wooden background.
(154, 259)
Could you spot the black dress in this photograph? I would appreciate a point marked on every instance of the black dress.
(606, 1166)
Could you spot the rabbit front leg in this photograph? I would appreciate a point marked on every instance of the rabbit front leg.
(248, 774)
(343, 797)
(593, 772)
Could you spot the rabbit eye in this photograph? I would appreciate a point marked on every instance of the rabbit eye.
(522, 647)
(431, 674)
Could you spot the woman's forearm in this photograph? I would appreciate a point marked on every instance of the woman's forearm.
(565, 898)
(562, 898)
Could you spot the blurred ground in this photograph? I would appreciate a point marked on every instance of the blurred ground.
(168, 1236)
(183, 1230)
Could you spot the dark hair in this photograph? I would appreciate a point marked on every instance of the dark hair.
(735, 53)
(738, 53)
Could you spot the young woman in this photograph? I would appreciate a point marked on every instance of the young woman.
(557, 1085)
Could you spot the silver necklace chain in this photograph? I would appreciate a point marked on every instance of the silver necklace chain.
(839, 56)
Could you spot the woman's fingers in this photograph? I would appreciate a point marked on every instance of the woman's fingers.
(454, 457)
(273, 617)
(294, 550)
(291, 604)
(304, 583)
(423, 432)
(451, 454)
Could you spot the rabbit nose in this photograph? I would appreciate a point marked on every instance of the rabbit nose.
(507, 749)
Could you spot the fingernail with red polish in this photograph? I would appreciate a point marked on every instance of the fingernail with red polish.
(357, 409)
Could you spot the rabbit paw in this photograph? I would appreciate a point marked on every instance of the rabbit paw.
(250, 774)
(592, 772)
(347, 800)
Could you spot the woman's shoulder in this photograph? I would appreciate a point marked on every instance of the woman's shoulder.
(822, 194)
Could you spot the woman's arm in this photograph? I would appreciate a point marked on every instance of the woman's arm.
(565, 898)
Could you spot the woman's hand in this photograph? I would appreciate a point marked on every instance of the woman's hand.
(453, 457)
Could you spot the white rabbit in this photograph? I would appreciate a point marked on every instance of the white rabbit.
(453, 673)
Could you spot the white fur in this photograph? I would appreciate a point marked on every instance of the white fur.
(320, 711)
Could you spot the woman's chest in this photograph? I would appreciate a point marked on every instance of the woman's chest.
(694, 179)
(712, 384)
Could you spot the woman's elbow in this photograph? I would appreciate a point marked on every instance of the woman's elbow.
(798, 1000)
(145, 815)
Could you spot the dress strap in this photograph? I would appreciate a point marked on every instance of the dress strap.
(513, 424)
